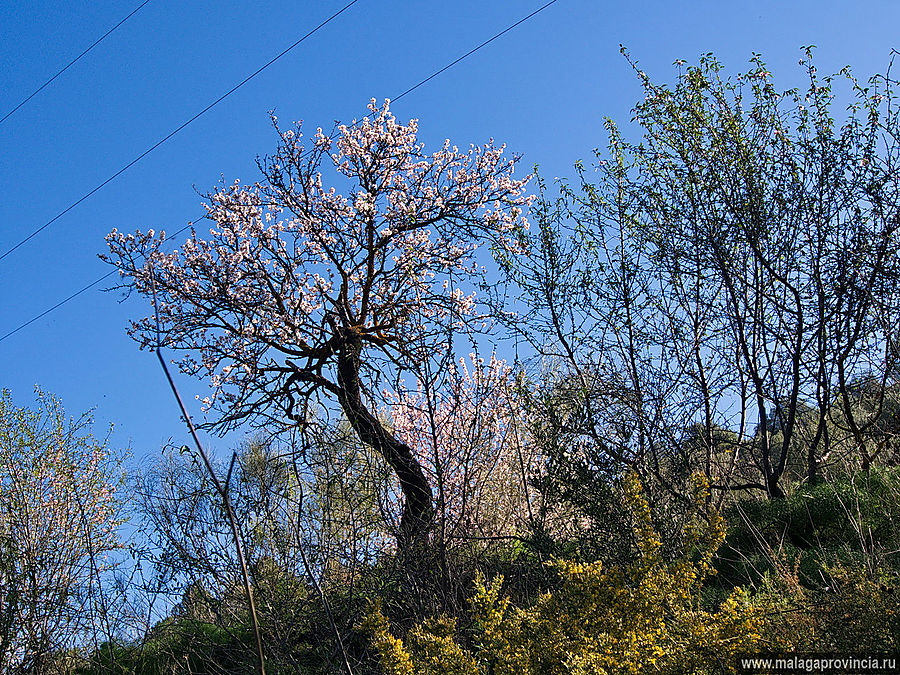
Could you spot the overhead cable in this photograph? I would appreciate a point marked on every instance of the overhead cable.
(72, 62)
(153, 147)
(411, 89)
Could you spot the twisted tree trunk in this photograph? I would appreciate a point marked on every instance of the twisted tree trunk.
(418, 510)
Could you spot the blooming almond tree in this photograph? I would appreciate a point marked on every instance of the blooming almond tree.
(60, 511)
(466, 432)
(303, 293)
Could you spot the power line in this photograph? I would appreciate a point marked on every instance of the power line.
(172, 133)
(473, 50)
(72, 62)
(74, 295)
(411, 89)
(57, 305)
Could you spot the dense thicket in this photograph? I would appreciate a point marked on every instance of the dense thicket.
(694, 458)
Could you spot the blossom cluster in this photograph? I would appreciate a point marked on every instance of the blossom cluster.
(291, 263)
(60, 512)
(465, 436)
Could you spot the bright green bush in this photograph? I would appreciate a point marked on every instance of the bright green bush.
(848, 522)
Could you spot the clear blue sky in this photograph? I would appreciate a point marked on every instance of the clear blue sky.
(543, 89)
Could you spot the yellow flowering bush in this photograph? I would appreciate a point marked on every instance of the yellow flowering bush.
(645, 617)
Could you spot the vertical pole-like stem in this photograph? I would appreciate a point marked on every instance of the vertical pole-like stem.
(223, 492)
(261, 666)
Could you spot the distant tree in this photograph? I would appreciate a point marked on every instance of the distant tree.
(467, 429)
(60, 511)
(303, 295)
(866, 420)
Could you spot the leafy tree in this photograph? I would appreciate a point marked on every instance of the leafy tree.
(733, 267)
(60, 511)
(303, 295)
(197, 570)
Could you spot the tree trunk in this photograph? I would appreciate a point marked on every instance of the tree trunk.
(418, 510)
(773, 488)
